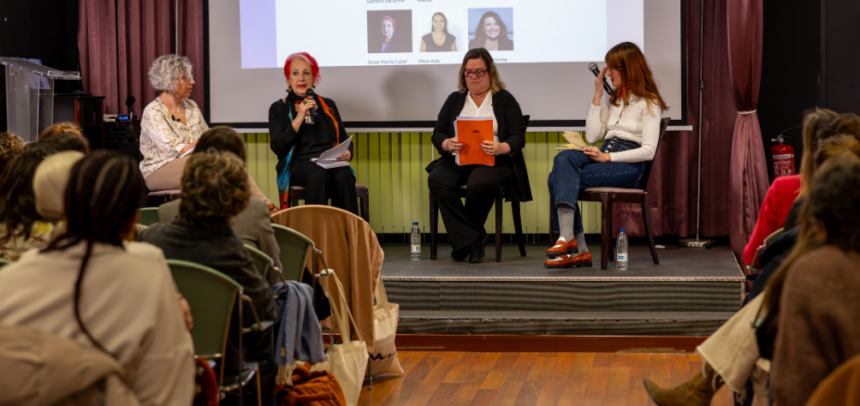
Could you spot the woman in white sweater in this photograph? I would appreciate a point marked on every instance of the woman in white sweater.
(629, 121)
(93, 286)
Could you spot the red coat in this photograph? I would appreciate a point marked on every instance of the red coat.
(780, 196)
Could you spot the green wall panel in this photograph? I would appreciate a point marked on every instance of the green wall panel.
(392, 166)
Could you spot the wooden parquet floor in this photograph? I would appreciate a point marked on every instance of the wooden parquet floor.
(569, 379)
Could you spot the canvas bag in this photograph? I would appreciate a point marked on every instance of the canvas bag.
(384, 360)
(346, 361)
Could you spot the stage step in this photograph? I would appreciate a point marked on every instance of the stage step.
(562, 323)
(691, 292)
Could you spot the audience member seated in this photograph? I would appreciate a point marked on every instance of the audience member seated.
(785, 189)
(737, 351)
(254, 224)
(10, 146)
(214, 191)
(21, 227)
(65, 137)
(93, 286)
(49, 187)
(815, 290)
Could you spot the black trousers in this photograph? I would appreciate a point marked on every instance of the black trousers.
(337, 184)
(465, 223)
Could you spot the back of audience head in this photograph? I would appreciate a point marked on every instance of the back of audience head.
(103, 195)
(10, 146)
(17, 200)
(813, 122)
(214, 189)
(49, 184)
(222, 139)
(828, 214)
(65, 137)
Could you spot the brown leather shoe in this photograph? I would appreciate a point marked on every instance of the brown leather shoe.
(568, 261)
(562, 248)
(697, 391)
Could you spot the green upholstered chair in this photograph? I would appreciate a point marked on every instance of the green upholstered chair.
(211, 296)
(294, 251)
(148, 215)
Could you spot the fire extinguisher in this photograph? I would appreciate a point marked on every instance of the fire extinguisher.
(782, 156)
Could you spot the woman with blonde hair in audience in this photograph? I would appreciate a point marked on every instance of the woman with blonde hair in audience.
(21, 226)
(214, 191)
(94, 286)
(254, 224)
(737, 351)
(10, 146)
(65, 136)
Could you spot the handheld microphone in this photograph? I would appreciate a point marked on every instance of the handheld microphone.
(311, 94)
(593, 68)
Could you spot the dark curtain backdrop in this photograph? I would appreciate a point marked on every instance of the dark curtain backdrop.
(673, 194)
(119, 39)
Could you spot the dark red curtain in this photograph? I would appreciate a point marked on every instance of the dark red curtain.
(749, 181)
(119, 39)
(673, 192)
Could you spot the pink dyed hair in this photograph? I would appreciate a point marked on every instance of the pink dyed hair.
(315, 67)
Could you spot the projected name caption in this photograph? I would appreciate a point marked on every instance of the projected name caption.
(389, 1)
(388, 62)
(428, 61)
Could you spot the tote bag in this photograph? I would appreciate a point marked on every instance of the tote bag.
(384, 360)
(346, 361)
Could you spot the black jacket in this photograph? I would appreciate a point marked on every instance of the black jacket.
(220, 250)
(512, 129)
(284, 137)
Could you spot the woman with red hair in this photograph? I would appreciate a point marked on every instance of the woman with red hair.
(629, 121)
(303, 125)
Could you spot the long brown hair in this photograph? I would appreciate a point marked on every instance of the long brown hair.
(847, 124)
(496, 84)
(813, 122)
(831, 205)
(635, 74)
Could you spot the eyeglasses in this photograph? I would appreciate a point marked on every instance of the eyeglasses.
(477, 73)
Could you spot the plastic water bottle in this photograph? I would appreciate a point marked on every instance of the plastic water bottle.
(621, 249)
(415, 239)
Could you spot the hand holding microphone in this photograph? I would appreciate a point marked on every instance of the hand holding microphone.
(600, 83)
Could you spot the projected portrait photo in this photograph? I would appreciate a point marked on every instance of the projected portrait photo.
(443, 27)
(389, 31)
(491, 28)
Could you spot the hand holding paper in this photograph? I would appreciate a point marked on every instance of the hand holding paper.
(574, 140)
(332, 158)
(472, 132)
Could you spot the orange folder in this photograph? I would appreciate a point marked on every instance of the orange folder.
(471, 133)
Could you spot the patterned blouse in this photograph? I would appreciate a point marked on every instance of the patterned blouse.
(162, 139)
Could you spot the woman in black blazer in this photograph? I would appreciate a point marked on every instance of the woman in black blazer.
(482, 94)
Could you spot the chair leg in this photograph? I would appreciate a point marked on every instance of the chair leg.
(365, 207)
(646, 217)
(606, 229)
(434, 213)
(294, 199)
(499, 205)
(518, 227)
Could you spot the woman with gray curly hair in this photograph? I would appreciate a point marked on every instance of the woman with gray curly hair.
(171, 124)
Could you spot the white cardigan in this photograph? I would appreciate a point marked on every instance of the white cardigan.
(633, 121)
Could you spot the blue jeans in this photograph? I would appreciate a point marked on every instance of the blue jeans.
(573, 171)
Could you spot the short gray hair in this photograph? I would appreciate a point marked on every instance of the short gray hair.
(166, 71)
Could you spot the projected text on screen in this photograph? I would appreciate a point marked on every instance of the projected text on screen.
(419, 32)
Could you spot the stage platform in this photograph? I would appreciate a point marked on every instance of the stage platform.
(691, 292)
